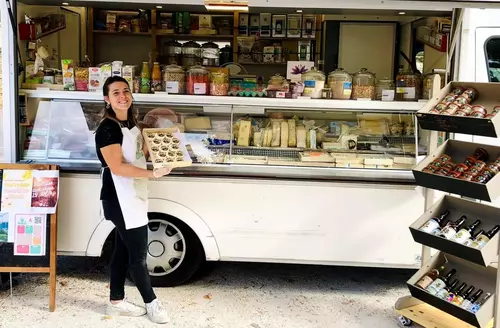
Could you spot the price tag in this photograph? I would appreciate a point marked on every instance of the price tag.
(200, 88)
(387, 95)
(280, 94)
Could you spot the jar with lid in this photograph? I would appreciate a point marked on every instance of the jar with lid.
(386, 84)
(226, 55)
(191, 54)
(314, 82)
(58, 77)
(219, 83)
(173, 52)
(407, 86)
(428, 85)
(49, 76)
(210, 54)
(174, 79)
(363, 86)
(276, 83)
(340, 83)
(197, 81)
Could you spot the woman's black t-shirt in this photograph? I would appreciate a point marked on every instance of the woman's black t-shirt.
(108, 133)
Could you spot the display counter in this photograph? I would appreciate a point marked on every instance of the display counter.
(231, 136)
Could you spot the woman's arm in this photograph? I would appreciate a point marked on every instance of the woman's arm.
(145, 150)
(113, 156)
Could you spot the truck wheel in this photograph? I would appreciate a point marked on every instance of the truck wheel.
(404, 321)
(175, 252)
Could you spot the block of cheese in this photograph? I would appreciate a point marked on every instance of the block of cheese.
(316, 156)
(301, 136)
(257, 138)
(268, 137)
(404, 160)
(244, 133)
(197, 123)
(276, 134)
(284, 134)
(292, 136)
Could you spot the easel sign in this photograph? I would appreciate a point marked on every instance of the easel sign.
(28, 220)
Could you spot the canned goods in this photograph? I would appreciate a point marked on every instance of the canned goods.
(457, 91)
(493, 167)
(469, 161)
(479, 165)
(450, 112)
(450, 97)
(466, 108)
(488, 173)
(490, 116)
(481, 178)
(477, 114)
(497, 162)
(467, 176)
(460, 112)
(434, 111)
(443, 172)
(446, 158)
(449, 166)
(461, 100)
(427, 170)
(461, 168)
(471, 93)
(442, 106)
(455, 174)
(496, 109)
(479, 108)
(437, 163)
(481, 154)
(474, 171)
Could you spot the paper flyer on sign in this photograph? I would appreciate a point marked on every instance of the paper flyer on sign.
(16, 191)
(30, 234)
(4, 227)
(45, 191)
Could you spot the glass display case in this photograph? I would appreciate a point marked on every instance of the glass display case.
(313, 143)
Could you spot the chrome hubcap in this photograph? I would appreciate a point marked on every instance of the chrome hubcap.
(166, 248)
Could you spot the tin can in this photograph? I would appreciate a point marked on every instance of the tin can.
(467, 176)
(488, 173)
(449, 166)
(450, 97)
(427, 170)
(479, 108)
(479, 165)
(460, 112)
(442, 106)
(443, 172)
(493, 167)
(496, 109)
(481, 178)
(474, 171)
(477, 114)
(497, 162)
(445, 158)
(462, 100)
(490, 116)
(461, 168)
(469, 161)
(481, 154)
(471, 93)
(434, 111)
(437, 163)
(466, 108)
(455, 174)
(457, 91)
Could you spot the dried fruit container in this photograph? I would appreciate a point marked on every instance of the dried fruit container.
(173, 52)
(407, 86)
(219, 84)
(340, 82)
(174, 79)
(314, 82)
(197, 81)
(385, 84)
(363, 86)
(210, 54)
(191, 54)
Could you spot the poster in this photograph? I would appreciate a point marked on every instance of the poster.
(4, 227)
(45, 191)
(30, 233)
(16, 191)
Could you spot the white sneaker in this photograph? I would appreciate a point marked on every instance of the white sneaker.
(126, 309)
(156, 312)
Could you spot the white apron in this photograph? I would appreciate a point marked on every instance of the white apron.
(132, 192)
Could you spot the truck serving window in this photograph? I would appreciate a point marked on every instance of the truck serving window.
(492, 50)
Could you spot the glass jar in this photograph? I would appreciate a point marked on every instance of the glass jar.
(341, 84)
(49, 76)
(407, 86)
(427, 85)
(314, 82)
(191, 54)
(210, 54)
(197, 81)
(226, 55)
(363, 86)
(384, 84)
(276, 83)
(173, 52)
(58, 77)
(219, 83)
(174, 79)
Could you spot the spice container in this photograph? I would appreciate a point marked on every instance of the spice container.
(314, 82)
(210, 54)
(219, 84)
(197, 81)
(49, 76)
(191, 54)
(341, 84)
(174, 79)
(363, 86)
(407, 86)
(385, 89)
(173, 52)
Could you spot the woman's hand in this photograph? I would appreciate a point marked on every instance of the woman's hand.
(160, 172)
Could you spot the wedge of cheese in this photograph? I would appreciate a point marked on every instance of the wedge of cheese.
(244, 133)
(268, 137)
(301, 136)
(276, 141)
(257, 139)
(292, 135)
(284, 134)
(197, 123)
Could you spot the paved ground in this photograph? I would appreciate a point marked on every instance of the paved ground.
(231, 295)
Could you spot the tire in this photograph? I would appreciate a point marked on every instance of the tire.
(404, 321)
(188, 254)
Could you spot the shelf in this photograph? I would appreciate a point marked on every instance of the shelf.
(195, 36)
(122, 33)
(303, 104)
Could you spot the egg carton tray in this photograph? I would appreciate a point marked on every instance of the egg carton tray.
(167, 148)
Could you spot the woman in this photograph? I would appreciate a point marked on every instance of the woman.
(124, 196)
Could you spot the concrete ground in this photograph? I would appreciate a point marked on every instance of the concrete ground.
(230, 295)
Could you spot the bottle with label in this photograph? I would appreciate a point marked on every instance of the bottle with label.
(451, 228)
(469, 301)
(426, 280)
(145, 78)
(459, 298)
(483, 239)
(434, 223)
(440, 282)
(474, 308)
(156, 77)
(473, 239)
(454, 292)
(443, 293)
(465, 233)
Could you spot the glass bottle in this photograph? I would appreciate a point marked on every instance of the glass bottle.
(472, 241)
(426, 280)
(156, 84)
(314, 82)
(464, 234)
(483, 239)
(469, 301)
(443, 293)
(341, 84)
(440, 282)
(363, 85)
(145, 78)
(476, 306)
(86, 62)
(434, 223)
(454, 292)
(451, 228)
(459, 299)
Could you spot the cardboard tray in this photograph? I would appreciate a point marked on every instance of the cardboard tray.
(459, 150)
(488, 96)
(472, 274)
(489, 216)
(182, 146)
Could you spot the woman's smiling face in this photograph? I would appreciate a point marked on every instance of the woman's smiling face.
(120, 98)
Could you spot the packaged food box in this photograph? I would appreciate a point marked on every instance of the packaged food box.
(106, 72)
(95, 79)
(68, 74)
(128, 73)
(82, 78)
